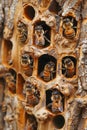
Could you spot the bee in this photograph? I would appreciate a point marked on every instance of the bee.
(48, 73)
(69, 68)
(22, 31)
(27, 64)
(40, 36)
(32, 94)
(68, 28)
(10, 82)
(57, 105)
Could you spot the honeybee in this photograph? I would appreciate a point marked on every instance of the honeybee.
(57, 105)
(10, 82)
(32, 94)
(48, 72)
(69, 68)
(40, 36)
(22, 31)
(27, 64)
(68, 28)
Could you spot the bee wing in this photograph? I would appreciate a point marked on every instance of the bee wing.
(41, 74)
(47, 39)
(61, 108)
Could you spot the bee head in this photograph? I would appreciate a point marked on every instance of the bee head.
(68, 62)
(55, 92)
(38, 27)
(66, 20)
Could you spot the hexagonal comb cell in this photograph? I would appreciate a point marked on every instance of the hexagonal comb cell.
(47, 67)
(42, 34)
(69, 27)
(32, 95)
(29, 12)
(10, 79)
(59, 121)
(7, 56)
(69, 66)
(54, 7)
(27, 64)
(54, 101)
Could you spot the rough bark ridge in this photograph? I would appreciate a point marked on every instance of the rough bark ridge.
(43, 64)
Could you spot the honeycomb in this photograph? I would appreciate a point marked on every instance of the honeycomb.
(43, 66)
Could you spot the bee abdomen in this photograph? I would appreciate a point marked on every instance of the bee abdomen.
(69, 34)
(46, 76)
(70, 73)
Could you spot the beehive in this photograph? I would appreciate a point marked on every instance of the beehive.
(43, 66)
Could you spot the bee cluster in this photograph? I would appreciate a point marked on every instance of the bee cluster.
(43, 71)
